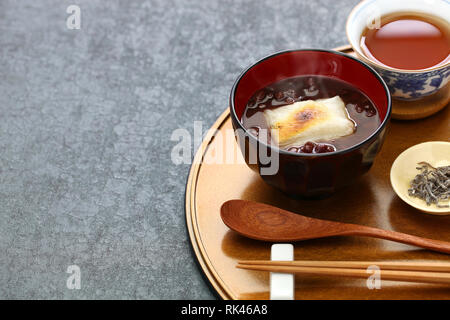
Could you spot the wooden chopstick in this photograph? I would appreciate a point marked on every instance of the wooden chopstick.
(384, 265)
(395, 275)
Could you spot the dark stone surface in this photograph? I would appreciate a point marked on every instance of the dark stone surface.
(86, 117)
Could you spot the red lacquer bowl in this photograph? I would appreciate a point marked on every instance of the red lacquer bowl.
(309, 175)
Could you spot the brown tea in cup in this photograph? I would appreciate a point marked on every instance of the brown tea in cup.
(408, 41)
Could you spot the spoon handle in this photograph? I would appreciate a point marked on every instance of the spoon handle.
(435, 245)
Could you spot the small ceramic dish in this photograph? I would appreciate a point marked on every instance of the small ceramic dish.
(403, 84)
(436, 153)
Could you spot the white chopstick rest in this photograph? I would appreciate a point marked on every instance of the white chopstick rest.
(282, 284)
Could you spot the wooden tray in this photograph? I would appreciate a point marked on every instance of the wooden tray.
(370, 202)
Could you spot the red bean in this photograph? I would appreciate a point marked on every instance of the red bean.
(323, 148)
(311, 91)
(251, 104)
(254, 131)
(358, 108)
(279, 95)
(371, 113)
(308, 147)
(310, 82)
(289, 100)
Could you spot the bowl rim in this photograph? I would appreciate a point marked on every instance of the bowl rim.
(327, 154)
(396, 186)
(361, 54)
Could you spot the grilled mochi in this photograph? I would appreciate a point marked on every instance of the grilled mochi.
(312, 120)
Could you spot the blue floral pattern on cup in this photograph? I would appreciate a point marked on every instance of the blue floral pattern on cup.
(411, 86)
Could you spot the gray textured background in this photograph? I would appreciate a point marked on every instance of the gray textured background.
(85, 123)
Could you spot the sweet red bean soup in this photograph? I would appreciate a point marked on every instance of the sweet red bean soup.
(311, 114)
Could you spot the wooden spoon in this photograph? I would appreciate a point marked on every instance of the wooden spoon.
(264, 222)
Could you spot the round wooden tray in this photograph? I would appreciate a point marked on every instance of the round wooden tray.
(370, 202)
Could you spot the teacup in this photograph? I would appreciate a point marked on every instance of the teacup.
(403, 84)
